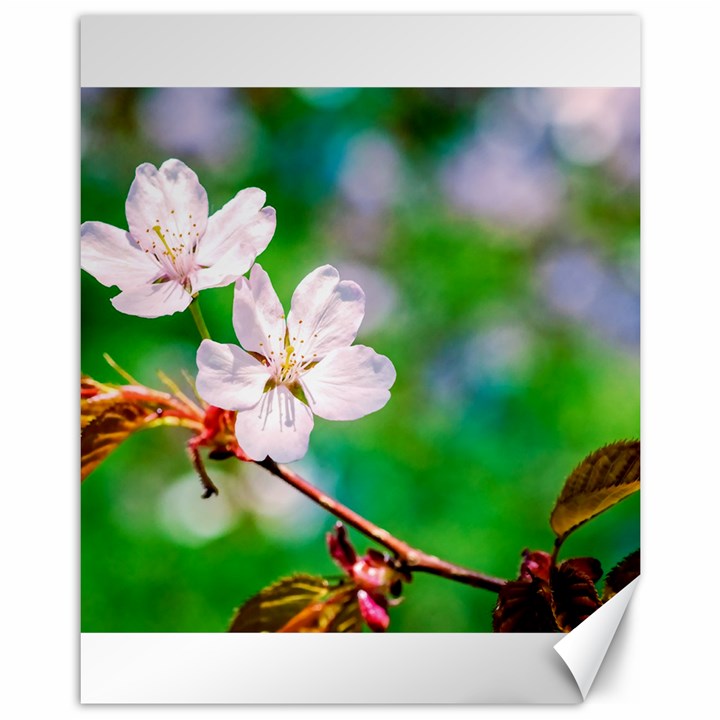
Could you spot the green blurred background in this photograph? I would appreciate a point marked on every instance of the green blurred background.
(496, 234)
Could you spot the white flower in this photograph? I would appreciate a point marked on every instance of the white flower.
(173, 250)
(290, 371)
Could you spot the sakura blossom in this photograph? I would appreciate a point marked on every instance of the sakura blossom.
(172, 249)
(289, 370)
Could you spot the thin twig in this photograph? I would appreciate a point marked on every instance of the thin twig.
(209, 487)
(410, 558)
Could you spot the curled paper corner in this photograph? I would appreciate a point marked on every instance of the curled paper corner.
(584, 648)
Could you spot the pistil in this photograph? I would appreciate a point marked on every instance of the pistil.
(157, 230)
(288, 363)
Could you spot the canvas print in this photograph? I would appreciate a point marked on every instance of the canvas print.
(358, 359)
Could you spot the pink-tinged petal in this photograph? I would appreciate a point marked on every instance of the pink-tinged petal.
(374, 614)
(151, 301)
(237, 233)
(170, 199)
(349, 383)
(211, 277)
(228, 377)
(278, 426)
(258, 316)
(325, 313)
(110, 255)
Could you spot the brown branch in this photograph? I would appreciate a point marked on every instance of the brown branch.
(411, 558)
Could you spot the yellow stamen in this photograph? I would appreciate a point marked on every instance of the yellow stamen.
(120, 370)
(157, 229)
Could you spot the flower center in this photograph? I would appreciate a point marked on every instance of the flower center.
(168, 250)
(175, 250)
(288, 364)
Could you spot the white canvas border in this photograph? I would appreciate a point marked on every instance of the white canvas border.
(307, 668)
(360, 50)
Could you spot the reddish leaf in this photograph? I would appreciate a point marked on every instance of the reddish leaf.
(90, 388)
(105, 431)
(574, 597)
(109, 414)
(621, 575)
(301, 603)
(348, 618)
(95, 399)
(588, 566)
(524, 606)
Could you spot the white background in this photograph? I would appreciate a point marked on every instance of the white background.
(666, 654)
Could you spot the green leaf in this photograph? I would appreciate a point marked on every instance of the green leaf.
(621, 575)
(301, 603)
(602, 479)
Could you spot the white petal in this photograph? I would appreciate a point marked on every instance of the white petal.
(238, 233)
(170, 198)
(278, 426)
(325, 313)
(110, 255)
(258, 316)
(211, 277)
(349, 383)
(151, 301)
(228, 377)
